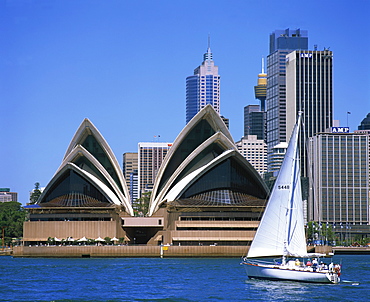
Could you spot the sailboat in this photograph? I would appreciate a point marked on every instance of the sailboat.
(281, 230)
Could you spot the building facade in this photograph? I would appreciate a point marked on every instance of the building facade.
(365, 123)
(150, 158)
(254, 121)
(309, 88)
(282, 42)
(203, 88)
(130, 171)
(6, 195)
(134, 185)
(254, 150)
(340, 180)
(276, 157)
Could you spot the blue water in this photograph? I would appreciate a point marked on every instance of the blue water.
(155, 279)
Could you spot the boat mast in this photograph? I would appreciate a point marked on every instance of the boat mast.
(295, 177)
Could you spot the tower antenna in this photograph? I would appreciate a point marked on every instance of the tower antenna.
(263, 65)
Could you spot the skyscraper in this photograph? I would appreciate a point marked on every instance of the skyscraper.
(150, 157)
(254, 121)
(203, 87)
(340, 179)
(309, 88)
(365, 124)
(254, 150)
(282, 42)
(130, 171)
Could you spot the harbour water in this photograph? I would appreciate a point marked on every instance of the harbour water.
(171, 279)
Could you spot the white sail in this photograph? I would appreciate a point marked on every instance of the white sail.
(281, 230)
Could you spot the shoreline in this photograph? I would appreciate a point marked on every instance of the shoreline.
(137, 251)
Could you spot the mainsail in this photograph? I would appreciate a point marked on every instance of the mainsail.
(281, 230)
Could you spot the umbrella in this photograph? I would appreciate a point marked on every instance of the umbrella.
(56, 239)
(83, 239)
(100, 239)
(114, 239)
(70, 239)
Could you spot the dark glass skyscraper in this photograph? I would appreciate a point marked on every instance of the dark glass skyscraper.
(254, 121)
(365, 124)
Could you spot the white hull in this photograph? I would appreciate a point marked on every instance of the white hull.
(271, 272)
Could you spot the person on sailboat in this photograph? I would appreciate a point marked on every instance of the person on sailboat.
(315, 264)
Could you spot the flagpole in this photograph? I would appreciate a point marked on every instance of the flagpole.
(347, 116)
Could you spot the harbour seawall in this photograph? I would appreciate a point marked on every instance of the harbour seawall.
(351, 250)
(128, 251)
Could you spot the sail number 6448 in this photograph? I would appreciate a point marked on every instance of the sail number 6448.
(283, 187)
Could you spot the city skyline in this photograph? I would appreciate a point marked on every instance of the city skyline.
(123, 65)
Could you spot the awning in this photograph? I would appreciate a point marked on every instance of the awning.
(35, 239)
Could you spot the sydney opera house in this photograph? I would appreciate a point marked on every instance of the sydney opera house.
(205, 193)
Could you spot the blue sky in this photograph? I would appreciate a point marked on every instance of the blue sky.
(123, 65)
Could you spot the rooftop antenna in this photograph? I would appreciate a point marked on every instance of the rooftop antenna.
(208, 55)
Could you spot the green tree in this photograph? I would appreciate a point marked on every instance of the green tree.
(316, 231)
(35, 194)
(312, 230)
(12, 216)
(141, 205)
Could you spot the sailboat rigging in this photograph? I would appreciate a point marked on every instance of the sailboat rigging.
(281, 230)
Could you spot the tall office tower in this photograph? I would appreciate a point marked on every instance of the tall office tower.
(255, 151)
(260, 89)
(282, 42)
(365, 124)
(134, 188)
(340, 178)
(203, 87)
(309, 88)
(130, 167)
(254, 121)
(150, 157)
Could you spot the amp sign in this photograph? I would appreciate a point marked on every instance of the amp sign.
(339, 129)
